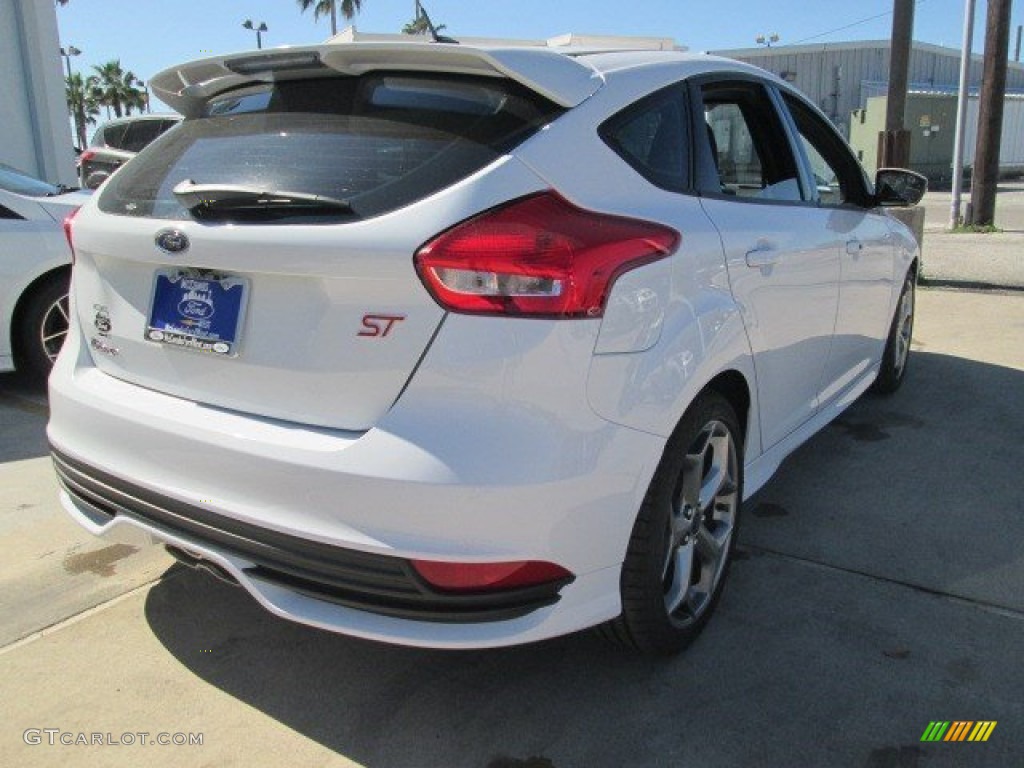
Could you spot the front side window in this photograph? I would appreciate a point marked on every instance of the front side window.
(748, 143)
(838, 176)
(376, 142)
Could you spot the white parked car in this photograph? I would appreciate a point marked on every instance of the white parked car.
(463, 347)
(35, 267)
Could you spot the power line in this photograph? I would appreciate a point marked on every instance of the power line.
(847, 26)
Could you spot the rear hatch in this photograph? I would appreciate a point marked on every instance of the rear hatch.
(260, 256)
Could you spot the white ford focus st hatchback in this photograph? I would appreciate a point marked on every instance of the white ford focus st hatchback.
(462, 347)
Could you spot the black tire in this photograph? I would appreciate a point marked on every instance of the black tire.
(41, 326)
(709, 435)
(897, 347)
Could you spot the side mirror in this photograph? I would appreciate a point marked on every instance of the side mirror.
(896, 187)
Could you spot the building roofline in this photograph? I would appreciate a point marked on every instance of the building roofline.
(846, 45)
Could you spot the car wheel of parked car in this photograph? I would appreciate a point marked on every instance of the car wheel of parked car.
(685, 533)
(43, 326)
(897, 347)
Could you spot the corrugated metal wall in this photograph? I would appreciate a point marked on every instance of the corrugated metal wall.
(839, 77)
(1011, 145)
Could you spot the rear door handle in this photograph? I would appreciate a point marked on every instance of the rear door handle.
(763, 255)
(854, 247)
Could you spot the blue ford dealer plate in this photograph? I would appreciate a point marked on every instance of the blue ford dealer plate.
(196, 310)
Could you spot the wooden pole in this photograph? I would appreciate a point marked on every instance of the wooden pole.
(990, 113)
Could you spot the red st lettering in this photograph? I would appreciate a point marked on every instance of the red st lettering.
(379, 325)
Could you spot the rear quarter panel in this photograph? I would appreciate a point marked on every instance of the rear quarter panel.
(686, 327)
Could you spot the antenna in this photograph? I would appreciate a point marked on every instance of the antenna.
(433, 31)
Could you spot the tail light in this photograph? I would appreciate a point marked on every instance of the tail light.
(68, 231)
(538, 256)
(484, 577)
(86, 156)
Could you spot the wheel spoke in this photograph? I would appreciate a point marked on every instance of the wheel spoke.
(719, 481)
(52, 336)
(676, 592)
(712, 542)
(693, 470)
(62, 308)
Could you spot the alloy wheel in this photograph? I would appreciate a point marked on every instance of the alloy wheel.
(54, 328)
(701, 524)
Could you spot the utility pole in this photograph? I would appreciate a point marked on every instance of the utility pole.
(894, 144)
(1016, 54)
(960, 137)
(990, 113)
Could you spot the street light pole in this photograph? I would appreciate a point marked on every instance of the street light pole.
(79, 108)
(961, 115)
(67, 54)
(248, 24)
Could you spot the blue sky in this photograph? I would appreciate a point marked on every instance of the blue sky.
(150, 36)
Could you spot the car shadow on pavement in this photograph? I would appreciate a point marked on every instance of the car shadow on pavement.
(23, 417)
(922, 487)
(819, 653)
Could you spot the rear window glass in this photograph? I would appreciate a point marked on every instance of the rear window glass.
(378, 142)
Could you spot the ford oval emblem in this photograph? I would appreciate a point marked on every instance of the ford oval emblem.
(172, 241)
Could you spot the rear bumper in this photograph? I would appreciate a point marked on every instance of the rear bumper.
(375, 583)
(318, 525)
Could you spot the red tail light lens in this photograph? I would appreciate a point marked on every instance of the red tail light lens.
(68, 231)
(484, 577)
(538, 256)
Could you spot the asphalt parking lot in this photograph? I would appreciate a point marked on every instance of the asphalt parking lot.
(880, 587)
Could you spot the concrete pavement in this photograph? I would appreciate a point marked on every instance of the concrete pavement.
(879, 588)
(968, 260)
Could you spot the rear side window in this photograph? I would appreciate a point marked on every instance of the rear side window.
(110, 136)
(651, 136)
(139, 134)
(377, 142)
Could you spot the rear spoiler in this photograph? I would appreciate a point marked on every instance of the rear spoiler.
(564, 80)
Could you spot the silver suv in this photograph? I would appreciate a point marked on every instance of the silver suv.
(116, 142)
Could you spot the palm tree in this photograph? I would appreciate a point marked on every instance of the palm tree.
(420, 26)
(349, 8)
(119, 88)
(83, 101)
(135, 96)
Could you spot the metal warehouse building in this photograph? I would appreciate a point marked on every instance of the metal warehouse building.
(840, 77)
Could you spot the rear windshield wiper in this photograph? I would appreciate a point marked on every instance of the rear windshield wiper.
(202, 198)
